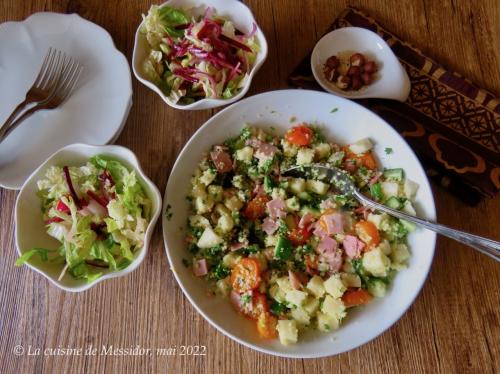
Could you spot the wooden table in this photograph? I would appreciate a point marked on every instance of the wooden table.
(453, 327)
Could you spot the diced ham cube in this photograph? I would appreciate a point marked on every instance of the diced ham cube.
(276, 208)
(353, 246)
(334, 223)
(270, 225)
(306, 220)
(200, 268)
(221, 159)
(333, 259)
(326, 245)
(294, 280)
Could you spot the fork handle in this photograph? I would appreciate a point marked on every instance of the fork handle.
(6, 130)
(5, 127)
(486, 246)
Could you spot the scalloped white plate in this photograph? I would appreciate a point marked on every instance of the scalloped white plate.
(103, 94)
(349, 123)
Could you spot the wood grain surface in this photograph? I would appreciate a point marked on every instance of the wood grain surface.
(453, 326)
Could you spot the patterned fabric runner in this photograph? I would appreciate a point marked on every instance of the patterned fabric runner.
(452, 125)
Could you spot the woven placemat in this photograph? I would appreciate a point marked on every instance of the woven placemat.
(452, 125)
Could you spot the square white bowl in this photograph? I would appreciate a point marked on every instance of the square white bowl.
(30, 228)
(235, 11)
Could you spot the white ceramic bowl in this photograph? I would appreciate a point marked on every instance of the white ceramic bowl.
(349, 123)
(242, 18)
(30, 228)
(103, 94)
(391, 80)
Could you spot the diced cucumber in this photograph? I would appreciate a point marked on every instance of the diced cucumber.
(283, 249)
(305, 196)
(410, 227)
(377, 287)
(309, 209)
(394, 174)
(393, 202)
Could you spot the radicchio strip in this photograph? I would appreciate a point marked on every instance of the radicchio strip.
(70, 187)
(98, 199)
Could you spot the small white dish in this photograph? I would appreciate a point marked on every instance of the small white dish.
(30, 228)
(242, 18)
(348, 123)
(391, 81)
(95, 112)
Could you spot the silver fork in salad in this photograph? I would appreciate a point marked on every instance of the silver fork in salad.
(344, 182)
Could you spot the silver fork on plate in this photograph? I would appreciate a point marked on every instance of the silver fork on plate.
(55, 82)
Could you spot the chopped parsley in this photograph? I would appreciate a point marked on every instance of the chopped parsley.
(334, 110)
(388, 151)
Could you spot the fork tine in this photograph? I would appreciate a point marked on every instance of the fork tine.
(71, 86)
(69, 82)
(52, 72)
(41, 72)
(66, 74)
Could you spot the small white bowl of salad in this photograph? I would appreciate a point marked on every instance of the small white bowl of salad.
(291, 266)
(85, 215)
(198, 54)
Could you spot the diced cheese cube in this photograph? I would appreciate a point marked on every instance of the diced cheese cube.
(203, 204)
(289, 150)
(361, 146)
(301, 316)
(287, 331)
(297, 185)
(326, 322)
(315, 286)
(409, 209)
(378, 219)
(333, 307)
(317, 187)
(292, 204)
(208, 176)
(233, 203)
(389, 188)
(385, 247)
(305, 156)
(400, 253)
(198, 190)
(334, 286)
(208, 239)
(376, 262)
(231, 259)
(351, 280)
(284, 284)
(295, 297)
(199, 221)
(244, 154)
(322, 150)
(225, 223)
(223, 286)
(311, 305)
(277, 293)
(410, 188)
(216, 192)
(261, 259)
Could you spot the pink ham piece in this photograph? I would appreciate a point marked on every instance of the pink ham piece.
(353, 246)
(276, 208)
(294, 280)
(333, 259)
(318, 231)
(334, 223)
(270, 226)
(235, 298)
(326, 245)
(221, 159)
(364, 210)
(263, 150)
(200, 268)
(306, 220)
